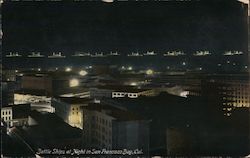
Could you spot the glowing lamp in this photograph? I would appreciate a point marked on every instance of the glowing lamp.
(149, 72)
(73, 82)
(83, 73)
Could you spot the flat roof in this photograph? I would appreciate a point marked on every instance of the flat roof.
(75, 100)
(119, 114)
(118, 88)
(19, 110)
(37, 92)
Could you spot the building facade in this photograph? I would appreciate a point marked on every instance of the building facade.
(107, 127)
(15, 115)
(132, 93)
(70, 110)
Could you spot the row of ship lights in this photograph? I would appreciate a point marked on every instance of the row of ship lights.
(133, 54)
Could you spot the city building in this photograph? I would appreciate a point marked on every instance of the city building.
(98, 93)
(179, 141)
(9, 75)
(6, 115)
(160, 110)
(38, 103)
(106, 127)
(237, 93)
(7, 93)
(37, 82)
(232, 93)
(15, 115)
(70, 109)
(48, 130)
(132, 93)
(119, 91)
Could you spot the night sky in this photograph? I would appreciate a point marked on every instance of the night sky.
(123, 26)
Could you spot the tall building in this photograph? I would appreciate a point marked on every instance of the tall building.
(231, 93)
(106, 127)
(70, 109)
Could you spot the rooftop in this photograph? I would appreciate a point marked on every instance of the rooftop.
(37, 92)
(119, 114)
(119, 88)
(75, 100)
(19, 110)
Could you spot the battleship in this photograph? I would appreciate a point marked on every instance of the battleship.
(35, 55)
(134, 54)
(113, 54)
(150, 53)
(80, 54)
(98, 55)
(202, 53)
(230, 53)
(11, 54)
(174, 53)
(56, 55)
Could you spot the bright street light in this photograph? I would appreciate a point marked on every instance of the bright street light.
(68, 69)
(83, 73)
(149, 72)
(73, 82)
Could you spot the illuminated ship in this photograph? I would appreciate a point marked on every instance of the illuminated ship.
(230, 53)
(152, 53)
(56, 55)
(96, 55)
(238, 53)
(174, 53)
(79, 54)
(113, 54)
(11, 54)
(134, 54)
(202, 53)
(35, 55)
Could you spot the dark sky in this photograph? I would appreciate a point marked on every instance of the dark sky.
(123, 26)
